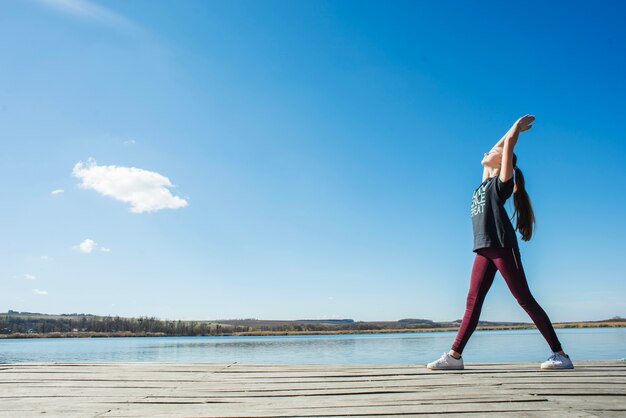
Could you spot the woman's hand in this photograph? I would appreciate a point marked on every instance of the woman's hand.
(524, 123)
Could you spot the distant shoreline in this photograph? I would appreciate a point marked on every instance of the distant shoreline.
(90, 334)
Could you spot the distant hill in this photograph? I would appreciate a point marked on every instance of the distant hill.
(25, 324)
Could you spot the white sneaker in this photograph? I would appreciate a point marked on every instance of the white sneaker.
(446, 362)
(557, 361)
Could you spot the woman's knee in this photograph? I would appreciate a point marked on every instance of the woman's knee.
(527, 302)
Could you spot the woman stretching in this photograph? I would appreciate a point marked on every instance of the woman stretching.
(495, 244)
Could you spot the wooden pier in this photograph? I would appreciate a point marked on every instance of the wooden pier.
(594, 388)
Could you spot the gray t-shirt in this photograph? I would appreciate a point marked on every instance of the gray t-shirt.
(492, 226)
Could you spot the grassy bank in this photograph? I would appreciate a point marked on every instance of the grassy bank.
(89, 334)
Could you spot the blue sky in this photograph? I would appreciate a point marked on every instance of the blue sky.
(289, 160)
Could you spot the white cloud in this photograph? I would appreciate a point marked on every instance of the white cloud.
(129, 142)
(146, 191)
(86, 246)
(89, 245)
(89, 11)
(46, 258)
(57, 192)
(40, 292)
(29, 277)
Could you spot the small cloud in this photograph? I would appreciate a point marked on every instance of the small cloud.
(88, 11)
(129, 142)
(86, 246)
(40, 292)
(46, 258)
(145, 191)
(29, 277)
(56, 192)
(331, 298)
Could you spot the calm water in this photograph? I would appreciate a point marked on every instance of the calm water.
(484, 346)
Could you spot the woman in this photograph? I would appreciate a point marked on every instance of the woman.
(495, 244)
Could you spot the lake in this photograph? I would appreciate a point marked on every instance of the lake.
(419, 347)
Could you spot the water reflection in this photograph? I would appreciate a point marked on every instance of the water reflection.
(403, 348)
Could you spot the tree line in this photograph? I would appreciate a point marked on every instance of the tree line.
(31, 323)
(23, 324)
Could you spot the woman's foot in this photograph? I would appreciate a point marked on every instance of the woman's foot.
(558, 361)
(446, 362)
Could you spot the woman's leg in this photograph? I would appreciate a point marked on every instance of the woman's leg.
(508, 262)
(483, 272)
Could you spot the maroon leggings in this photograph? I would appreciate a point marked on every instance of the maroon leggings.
(506, 260)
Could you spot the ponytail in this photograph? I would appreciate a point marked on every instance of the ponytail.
(525, 221)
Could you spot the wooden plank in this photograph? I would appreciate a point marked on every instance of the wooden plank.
(171, 389)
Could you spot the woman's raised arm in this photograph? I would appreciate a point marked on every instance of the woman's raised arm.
(510, 139)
